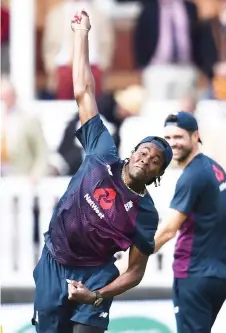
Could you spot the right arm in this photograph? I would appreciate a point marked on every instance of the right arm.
(143, 246)
(131, 278)
(83, 82)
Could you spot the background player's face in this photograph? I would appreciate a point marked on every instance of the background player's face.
(181, 142)
(146, 162)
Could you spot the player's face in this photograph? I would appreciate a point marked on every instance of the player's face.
(180, 141)
(146, 163)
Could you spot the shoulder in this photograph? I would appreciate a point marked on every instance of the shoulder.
(94, 120)
(147, 206)
(146, 225)
(217, 170)
(196, 170)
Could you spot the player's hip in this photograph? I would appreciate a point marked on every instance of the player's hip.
(51, 303)
(199, 267)
(49, 269)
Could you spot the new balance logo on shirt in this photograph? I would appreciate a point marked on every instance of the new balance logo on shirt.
(109, 169)
(128, 205)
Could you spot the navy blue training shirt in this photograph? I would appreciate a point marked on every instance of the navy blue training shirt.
(201, 195)
(98, 215)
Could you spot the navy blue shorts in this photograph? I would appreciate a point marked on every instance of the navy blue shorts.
(53, 312)
(197, 301)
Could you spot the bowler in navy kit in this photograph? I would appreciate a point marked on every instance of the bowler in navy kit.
(105, 209)
(198, 210)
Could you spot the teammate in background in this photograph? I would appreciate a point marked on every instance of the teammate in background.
(198, 210)
(105, 209)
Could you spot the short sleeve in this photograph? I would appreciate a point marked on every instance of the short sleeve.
(146, 226)
(95, 138)
(188, 189)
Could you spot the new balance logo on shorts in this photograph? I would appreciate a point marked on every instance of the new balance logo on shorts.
(176, 309)
(103, 314)
(36, 316)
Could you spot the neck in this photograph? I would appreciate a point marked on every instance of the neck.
(190, 157)
(134, 185)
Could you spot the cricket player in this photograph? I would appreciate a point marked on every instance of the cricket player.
(198, 211)
(105, 209)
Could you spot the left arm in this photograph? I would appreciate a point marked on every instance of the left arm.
(168, 227)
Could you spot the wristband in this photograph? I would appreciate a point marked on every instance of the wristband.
(78, 28)
(99, 298)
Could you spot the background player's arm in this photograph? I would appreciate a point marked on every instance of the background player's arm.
(83, 82)
(188, 188)
(168, 227)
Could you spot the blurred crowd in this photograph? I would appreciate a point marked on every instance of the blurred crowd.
(177, 47)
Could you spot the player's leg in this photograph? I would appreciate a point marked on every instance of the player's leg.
(51, 313)
(217, 289)
(193, 308)
(87, 314)
(81, 328)
(178, 314)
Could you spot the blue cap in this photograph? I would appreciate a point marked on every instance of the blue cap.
(183, 120)
(162, 144)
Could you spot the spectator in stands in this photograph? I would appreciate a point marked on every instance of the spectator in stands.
(115, 107)
(4, 40)
(58, 44)
(188, 103)
(170, 44)
(218, 25)
(23, 148)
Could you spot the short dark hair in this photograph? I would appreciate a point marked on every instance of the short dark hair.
(183, 120)
(172, 118)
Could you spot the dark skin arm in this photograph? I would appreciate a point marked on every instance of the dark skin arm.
(131, 278)
(83, 82)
